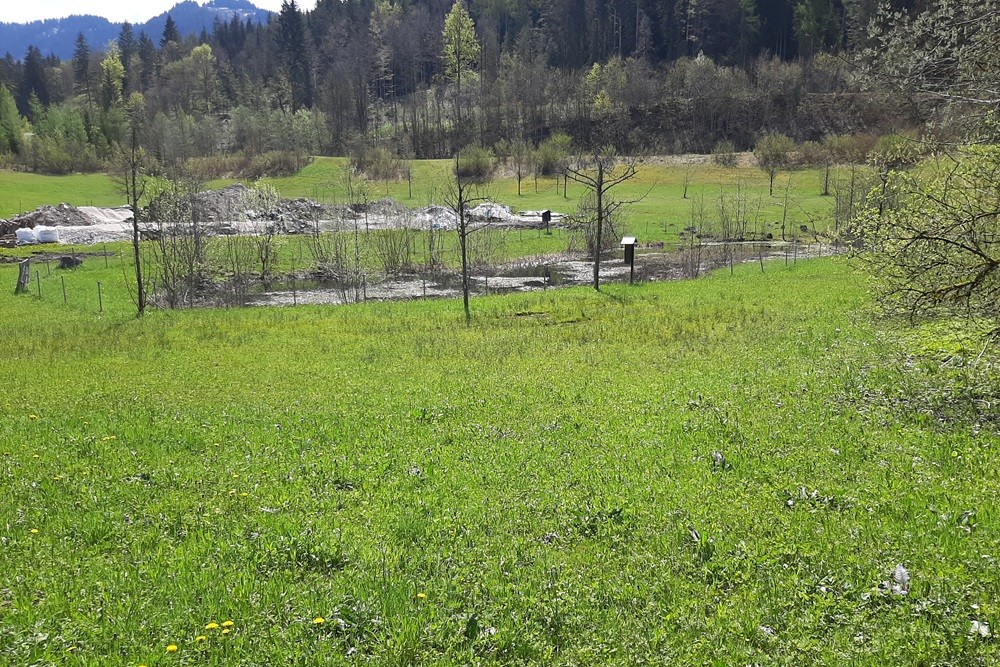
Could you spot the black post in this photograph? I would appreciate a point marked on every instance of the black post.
(62, 279)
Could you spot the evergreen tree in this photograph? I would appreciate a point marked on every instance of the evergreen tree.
(147, 60)
(170, 33)
(81, 66)
(817, 26)
(33, 82)
(127, 47)
(292, 42)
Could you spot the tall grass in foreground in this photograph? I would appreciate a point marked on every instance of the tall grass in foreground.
(678, 473)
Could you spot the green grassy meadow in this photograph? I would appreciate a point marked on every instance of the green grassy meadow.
(383, 484)
(660, 211)
(20, 192)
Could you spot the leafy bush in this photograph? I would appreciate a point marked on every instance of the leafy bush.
(552, 154)
(475, 164)
(49, 155)
(378, 163)
(248, 166)
(724, 154)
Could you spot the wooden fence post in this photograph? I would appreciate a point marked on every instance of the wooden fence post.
(23, 277)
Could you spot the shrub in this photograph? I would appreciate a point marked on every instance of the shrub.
(552, 154)
(377, 163)
(724, 153)
(247, 166)
(475, 164)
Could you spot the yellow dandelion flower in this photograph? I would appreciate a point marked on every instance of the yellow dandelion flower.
(226, 631)
(319, 620)
(200, 638)
(172, 648)
(34, 531)
(228, 624)
(71, 649)
(32, 417)
(212, 626)
(421, 596)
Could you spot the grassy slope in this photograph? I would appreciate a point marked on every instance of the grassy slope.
(21, 192)
(547, 471)
(661, 212)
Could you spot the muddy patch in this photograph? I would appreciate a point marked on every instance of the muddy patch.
(545, 273)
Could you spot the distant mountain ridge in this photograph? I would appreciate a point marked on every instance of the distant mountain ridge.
(58, 36)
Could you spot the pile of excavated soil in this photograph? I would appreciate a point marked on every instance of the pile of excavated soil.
(218, 205)
(63, 215)
(227, 212)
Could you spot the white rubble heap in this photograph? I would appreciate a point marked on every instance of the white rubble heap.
(92, 225)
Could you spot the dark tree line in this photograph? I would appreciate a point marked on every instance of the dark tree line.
(667, 75)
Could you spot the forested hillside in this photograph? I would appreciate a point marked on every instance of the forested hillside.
(423, 78)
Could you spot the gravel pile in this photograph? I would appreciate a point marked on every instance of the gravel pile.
(63, 215)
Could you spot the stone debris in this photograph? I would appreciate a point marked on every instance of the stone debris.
(230, 210)
(63, 215)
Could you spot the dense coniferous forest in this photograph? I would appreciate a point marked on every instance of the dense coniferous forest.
(396, 79)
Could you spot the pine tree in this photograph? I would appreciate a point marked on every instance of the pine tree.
(147, 60)
(170, 33)
(127, 48)
(81, 66)
(33, 82)
(292, 42)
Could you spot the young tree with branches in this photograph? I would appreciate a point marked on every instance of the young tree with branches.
(473, 169)
(131, 180)
(933, 241)
(600, 172)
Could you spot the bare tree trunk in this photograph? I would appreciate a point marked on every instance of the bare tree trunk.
(599, 193)
(463, 241)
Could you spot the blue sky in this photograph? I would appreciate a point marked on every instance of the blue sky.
(19, 11)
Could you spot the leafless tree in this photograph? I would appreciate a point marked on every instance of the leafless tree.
(600, 172)
(466, 187)
(130, 177)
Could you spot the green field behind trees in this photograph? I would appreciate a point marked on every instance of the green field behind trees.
(660, 210)
(720, 471)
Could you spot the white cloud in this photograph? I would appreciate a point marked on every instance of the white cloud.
(15, 11)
